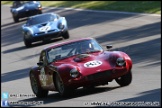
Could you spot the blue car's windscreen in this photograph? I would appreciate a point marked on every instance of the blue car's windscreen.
(40, 19)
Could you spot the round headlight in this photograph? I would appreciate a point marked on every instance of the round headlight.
(120, 61)
(74, 73)
(29, 33)
(39, 5)
(60, 26)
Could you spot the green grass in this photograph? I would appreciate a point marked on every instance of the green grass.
(153, 7)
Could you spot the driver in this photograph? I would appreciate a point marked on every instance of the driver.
(17, 3)
(86, 47)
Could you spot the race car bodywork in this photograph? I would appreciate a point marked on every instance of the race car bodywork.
(21, 9)
(78, 63)
(44, 27)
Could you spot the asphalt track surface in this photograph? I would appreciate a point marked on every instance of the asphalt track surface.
(139, 35)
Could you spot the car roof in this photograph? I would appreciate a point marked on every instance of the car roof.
(66, 42)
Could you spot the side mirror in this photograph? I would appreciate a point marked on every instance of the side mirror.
(109, 46)
(40, 63)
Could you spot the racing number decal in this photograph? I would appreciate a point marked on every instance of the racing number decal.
(45, 28)
(42, 76)
(92, 64)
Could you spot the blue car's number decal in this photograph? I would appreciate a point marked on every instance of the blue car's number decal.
(44, 28)
(92, 64)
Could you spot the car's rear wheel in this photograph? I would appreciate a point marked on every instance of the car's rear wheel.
(61, 88)
(65, 35)
(16, 19)
(125, 79)
(37, 90)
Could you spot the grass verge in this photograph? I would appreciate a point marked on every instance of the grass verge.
(152, 7)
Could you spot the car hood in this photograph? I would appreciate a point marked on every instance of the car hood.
(43, 27)
(91, 63)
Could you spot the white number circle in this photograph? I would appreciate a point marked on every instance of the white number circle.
(45, 28)
(92, 64)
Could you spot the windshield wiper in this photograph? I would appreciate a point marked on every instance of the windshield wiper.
(92, 51)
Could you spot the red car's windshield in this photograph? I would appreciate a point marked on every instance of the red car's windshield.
(71, 49)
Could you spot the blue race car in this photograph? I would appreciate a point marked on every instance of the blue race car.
(44, 27)
(21, 9)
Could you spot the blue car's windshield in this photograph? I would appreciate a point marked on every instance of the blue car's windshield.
(17, 4)
(40, 19)
(74, 48)
(29, 2)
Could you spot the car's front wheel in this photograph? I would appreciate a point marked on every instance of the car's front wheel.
(37, 90)
(125, 79)
(40, 12)
(27, 42)
(16, 19)
(61, 88)
(65, 35)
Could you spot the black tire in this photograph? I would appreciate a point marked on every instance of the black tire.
(125, 79)
(65, 35)
(27, 42)
(37, 90)
(61, 88)
(40, 12)
(16, 19)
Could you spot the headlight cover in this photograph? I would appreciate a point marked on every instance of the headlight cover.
(74, 73)
(29, 33)
(60, 26)
(120, 61)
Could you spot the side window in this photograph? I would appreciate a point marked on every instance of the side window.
(43, 58)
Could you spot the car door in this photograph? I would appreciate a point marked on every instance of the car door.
(46, 74)
(42, 76)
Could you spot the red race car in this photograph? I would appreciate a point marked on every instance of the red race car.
(78, 63)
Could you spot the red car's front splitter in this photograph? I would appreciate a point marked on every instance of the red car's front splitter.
(97, 78)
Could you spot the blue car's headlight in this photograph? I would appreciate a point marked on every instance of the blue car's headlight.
(61, 26)
(39, 6)
(29, 33)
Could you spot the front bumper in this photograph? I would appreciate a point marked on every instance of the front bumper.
(97, 78)
(45, 36)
